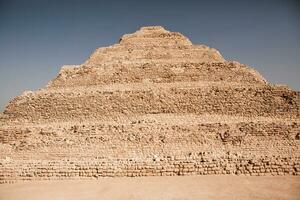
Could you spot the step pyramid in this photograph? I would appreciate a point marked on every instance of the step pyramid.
(152, 105)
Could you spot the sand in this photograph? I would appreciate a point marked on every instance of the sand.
(175, 188)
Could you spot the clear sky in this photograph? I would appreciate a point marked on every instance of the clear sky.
(37, 37)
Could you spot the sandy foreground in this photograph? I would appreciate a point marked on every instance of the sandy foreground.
(175, 188)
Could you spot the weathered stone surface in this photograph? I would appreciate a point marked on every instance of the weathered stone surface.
(153, 105)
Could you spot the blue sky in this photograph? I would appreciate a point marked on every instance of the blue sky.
(37, 37)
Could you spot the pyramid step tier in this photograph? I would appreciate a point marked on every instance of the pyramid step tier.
(137, 99)
(119, 53)
(92, 169)
(162, 72)
(150, 145)
(87, 169)
(148, 135)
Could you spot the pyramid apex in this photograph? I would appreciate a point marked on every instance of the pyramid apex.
(155, 35)
(152, 28)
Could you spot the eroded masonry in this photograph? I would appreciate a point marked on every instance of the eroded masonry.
(152, 105)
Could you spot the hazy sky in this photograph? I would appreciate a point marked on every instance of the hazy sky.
(37, 37)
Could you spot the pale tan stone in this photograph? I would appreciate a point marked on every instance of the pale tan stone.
(152, 105)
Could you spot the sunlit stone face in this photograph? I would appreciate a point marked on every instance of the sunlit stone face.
(153, 104)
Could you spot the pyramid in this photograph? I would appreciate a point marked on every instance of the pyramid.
(152, 105)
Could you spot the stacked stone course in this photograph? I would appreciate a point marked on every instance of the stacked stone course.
(152, 105)
(170, 166)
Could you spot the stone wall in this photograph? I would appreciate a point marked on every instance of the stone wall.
(150, 146)
(168, 166)
(146, 136)
(112, 103)
(159, 72)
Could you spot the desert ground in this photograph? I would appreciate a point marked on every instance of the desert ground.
(175, 188)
